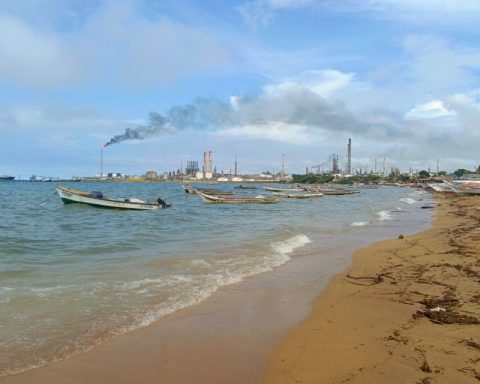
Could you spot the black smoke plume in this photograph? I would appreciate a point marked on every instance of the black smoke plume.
(296, 106)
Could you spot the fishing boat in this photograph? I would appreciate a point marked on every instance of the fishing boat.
(237, 200)
(465, 188)
(246, 187)
(208, 191)
(333, 192)
(441, 187)
(275, 189)
(98, 199)
(297, 195)
(6, 178)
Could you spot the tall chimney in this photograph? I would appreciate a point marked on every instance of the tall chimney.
(235, 166)
(101, 162)
(210, 162)
(205, 165)
(349, 161)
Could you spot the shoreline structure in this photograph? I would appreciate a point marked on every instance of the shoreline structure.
(406, 311)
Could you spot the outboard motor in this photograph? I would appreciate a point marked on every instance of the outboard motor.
(163, 203)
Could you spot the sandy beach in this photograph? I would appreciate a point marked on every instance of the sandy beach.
(406, 311)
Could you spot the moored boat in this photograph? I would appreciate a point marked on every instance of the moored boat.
(208, 191)
(98, 199)
(237, 200)
(275, 189)
(297, 195)
(6, 178)
(246, 187)
(465, 188)
(333, 192)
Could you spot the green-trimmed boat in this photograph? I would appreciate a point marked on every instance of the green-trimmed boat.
(98, 199)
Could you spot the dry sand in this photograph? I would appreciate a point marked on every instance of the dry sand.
(407, 311)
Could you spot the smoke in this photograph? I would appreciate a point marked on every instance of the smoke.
(157, 125)
(296, 106)
(202, 114)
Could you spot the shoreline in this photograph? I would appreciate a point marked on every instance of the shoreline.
(417, 324)
(236, 328)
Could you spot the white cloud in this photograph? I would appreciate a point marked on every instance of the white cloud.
(29, 117)
(432, 110)
(321, 82)
(114, 44)
(33, 57)
(262, 12)
(289, 4)
(276, 131)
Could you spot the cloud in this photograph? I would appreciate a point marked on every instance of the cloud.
(434, 109)
(321, 82)
(32, 57)
(439, 12)
(262, 12)
(29, 117)
(276, 131)
(112, 44)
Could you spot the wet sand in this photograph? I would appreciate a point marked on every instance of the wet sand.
(406, 311)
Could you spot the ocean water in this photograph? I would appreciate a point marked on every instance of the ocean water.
(73, 276)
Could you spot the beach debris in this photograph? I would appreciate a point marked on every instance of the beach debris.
(446, 313)
(370, 280)
(425, 367)
(471, 344)
(400, 236)
(427, 207)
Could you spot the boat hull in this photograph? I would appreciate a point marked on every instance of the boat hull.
(298, 195)
(236, 200)
(273, 189)
(70, 196)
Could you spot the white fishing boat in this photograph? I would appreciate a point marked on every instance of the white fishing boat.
(98, 199)
(465, 188)
(441, 187)
(297, 195)
(275, 189)
(208, 191)
(237, 200)
(332, 192)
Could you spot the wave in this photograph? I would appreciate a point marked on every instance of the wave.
(193, 288)
(150, 298)
(408, 200)
(384, 215)
(359, 224)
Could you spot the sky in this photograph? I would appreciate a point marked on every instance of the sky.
(255, 79)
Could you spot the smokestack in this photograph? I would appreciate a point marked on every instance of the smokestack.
(349, 161)
(236, 165)
(205, 165)
(101, 161)
(210, 162)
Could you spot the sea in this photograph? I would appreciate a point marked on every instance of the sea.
(74, 276)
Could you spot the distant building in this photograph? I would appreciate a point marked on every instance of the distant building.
(151, 175)
(192, 168)
(113, 175)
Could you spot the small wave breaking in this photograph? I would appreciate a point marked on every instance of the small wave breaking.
(359, 224)
(408, 200)
(384, 215)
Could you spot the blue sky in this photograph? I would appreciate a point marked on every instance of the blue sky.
(262, 77)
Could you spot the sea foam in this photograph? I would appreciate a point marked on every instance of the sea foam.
(359, 224)
(191, 289)
(384, 215)
(408, 200)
